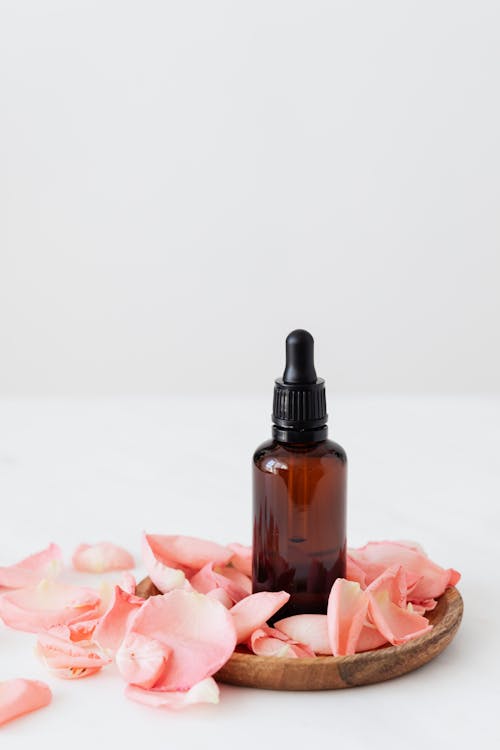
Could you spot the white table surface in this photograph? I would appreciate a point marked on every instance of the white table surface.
(425, 469)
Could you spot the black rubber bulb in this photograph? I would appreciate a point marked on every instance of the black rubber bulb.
(299, 358)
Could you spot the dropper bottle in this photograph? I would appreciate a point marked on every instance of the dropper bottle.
(299, 491)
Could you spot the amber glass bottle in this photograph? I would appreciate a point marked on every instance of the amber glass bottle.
(299, 491)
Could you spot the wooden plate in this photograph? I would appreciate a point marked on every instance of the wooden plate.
(330, 672)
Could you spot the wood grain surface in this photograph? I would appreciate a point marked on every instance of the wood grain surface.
(332, 673)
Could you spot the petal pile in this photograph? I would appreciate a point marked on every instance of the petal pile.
(429, 579)
(169, 647)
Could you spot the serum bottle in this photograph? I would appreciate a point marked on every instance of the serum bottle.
(299, 491)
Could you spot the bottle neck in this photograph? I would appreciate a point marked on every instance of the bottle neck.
(289, 435)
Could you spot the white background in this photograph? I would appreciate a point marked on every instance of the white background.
(181, 184)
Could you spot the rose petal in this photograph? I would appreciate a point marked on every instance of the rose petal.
(393, 582)
(205, 691)
(101, 558)
(18, 697)
(32, 569)
(375, 557)
(268, 641)
(241, 558)
(141, 660)
(163, 573)
(187, 552)
(255, 610)
(221, 597)
(347, 609)
(69, 659)
(396, 623)
(239, 579)
(128, 583)
(114, 624)
(310, 630)
(48, 604)
(354, 572)
(369, 638)
(207, 579)
(198, 630)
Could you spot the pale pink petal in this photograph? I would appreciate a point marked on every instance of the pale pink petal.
(393, 582)
(369, 639)
(207, 579)
(388, 612)
(268, 641)
(419, 609)
(242, 558)
(101, 558)
(18, 697)
(354, 572)
(347, 609)
(48, 604)
(239, 579)
(255, 610)
(141, 660)
(221, 597)
(162, 572)
(67, 658)
(311, 630)
(31, 570)
(198, 630)
(187, 552)
(205, 691)
(114, 624)
(128, 583)
(82, 630)
(375, 557)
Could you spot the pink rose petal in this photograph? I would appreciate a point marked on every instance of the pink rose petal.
(388, 612)
(431, 580)
(101, 558)
(347, 609)
(48, 604)
(161, 570)
(67, 658)
(221, 597)
(310, 630)
(186, 552)
(114, 624)
(128, 583)
(207, 579)
(255, 610)
(32, 569)
(242, 558)
(18, 697)
(198, 630)
(268, 641)
(205, 691)
(239, 579)
(141, 660)
(369, 639)
(354, 572)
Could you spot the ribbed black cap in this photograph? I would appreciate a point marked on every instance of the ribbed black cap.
(299, 405)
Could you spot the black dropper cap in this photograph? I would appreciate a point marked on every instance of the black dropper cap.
(299, 405)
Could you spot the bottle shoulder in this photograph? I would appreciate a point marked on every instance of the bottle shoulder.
(323, 449)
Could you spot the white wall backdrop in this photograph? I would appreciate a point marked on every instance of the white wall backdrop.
(182, 183)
